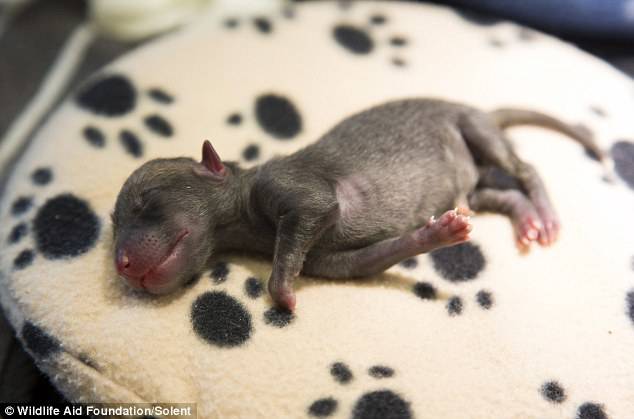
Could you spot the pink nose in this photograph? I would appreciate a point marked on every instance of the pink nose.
(122, 262)
(131, 265)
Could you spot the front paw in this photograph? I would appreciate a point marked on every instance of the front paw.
(282, 294)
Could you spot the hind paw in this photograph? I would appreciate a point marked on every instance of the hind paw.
(528, 229)
(451, 228)
(531, 226)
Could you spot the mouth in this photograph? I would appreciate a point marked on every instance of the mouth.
(159, 277)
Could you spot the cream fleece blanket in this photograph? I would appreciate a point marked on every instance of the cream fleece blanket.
(475, 331)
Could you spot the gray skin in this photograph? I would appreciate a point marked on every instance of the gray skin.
(359, 200)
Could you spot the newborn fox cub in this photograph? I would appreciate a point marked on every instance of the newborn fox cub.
(359, 200)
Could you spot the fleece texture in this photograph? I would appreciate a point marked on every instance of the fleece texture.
(473, 331)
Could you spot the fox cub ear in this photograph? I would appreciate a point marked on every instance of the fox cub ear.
(211, 165)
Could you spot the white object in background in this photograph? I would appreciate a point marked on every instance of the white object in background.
(131, 20)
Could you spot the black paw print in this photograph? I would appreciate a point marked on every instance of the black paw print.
(379, 404)
(456, 264)
(521, 34)
(275, 114)
(222, 320)
(553, 392)
(358, 40)
(629, 303)
(598, 111)
(65, 226)
(623, 155)
(114, 95)
(262, 24)
(45, 348)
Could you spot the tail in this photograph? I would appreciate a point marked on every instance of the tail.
(508, 117)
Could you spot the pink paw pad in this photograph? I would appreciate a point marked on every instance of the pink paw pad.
(528, 229)
(550, 232)
(452, 227)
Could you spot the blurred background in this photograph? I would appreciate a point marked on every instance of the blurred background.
(47, 47)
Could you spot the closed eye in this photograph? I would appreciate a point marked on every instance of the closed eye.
(150, 208)
(151, 211)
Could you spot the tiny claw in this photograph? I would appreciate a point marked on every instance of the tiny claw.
(466, 211)
(532, 234)
(523, 245)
